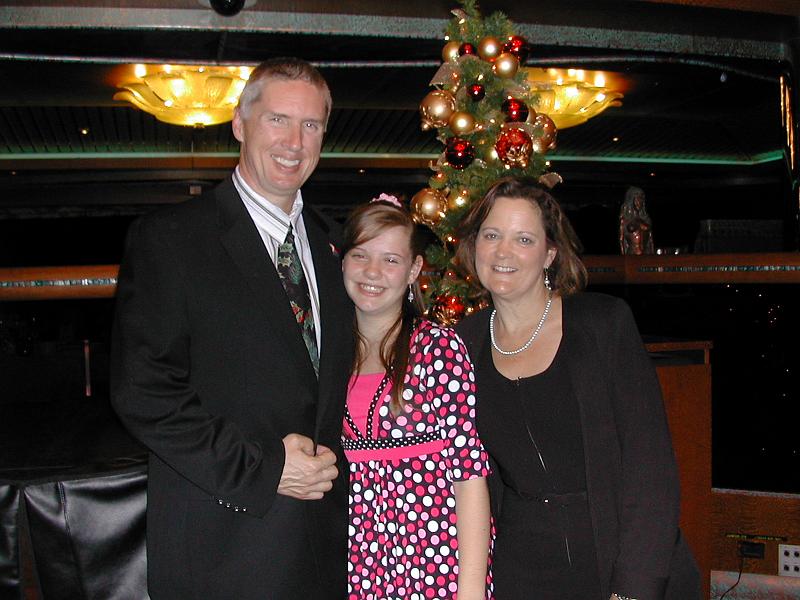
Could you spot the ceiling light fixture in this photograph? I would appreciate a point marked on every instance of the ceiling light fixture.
(571, 97)
(193, 96)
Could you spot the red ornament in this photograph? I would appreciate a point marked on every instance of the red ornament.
(476, 92)
(459, 153)
(455, 305)
(517, 46)
(467, 48)
(447, 309)
(514, 147)
(515, 110)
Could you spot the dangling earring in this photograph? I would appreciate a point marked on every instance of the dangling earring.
(410, 294)
(547, 282)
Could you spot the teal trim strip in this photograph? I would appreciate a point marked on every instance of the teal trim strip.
(756, 160)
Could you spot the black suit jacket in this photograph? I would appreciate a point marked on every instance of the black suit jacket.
(210, 372)
(632, 478)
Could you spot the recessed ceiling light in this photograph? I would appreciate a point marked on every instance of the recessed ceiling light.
(615, 139)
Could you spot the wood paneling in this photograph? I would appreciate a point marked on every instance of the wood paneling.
(687, 400)
(740, 512)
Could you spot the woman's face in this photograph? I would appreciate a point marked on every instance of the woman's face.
(511, 250)
(378, 272)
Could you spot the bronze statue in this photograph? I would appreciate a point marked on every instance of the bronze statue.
(635, 225)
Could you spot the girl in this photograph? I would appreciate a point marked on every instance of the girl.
(419, 505)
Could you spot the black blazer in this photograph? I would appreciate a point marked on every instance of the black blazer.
(210, 372)
(632, 478)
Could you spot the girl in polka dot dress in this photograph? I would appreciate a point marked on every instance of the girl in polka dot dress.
(419, 524)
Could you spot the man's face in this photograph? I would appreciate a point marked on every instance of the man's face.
(281, 138)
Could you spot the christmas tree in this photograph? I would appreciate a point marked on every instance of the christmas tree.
(482, 109)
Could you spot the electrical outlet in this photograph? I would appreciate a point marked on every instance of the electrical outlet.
(751, 549)
(788, 560)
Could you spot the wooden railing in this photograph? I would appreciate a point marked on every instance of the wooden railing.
(55, 283)
(773, 267)
(99, 281)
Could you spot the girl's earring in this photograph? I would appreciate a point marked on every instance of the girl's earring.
(410, 294)
(547, 282)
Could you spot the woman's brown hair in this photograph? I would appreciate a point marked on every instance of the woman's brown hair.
(365, 223)
(567, 273)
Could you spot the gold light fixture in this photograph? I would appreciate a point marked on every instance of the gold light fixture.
(183, 95)
(573, 96)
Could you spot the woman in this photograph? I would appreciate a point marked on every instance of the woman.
(419, 503)
(571, 412)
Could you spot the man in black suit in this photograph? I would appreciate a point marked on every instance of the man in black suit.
(232, 343)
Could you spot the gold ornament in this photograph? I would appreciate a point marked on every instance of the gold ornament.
(428, 206)
(438, 180)
(506, 65)
(450, 51)
(489, 48)
(457, 199)
(436, 108)
(461, 122)
(548, 129)
(490, 155)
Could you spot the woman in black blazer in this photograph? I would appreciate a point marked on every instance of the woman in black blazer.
(586, 493)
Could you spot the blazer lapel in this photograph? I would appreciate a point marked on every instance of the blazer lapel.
(335, 317)
(589, 383)
(240, 238)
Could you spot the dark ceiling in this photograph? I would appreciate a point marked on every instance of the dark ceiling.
(701, 101)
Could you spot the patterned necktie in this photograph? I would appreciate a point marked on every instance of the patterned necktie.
(294, 282)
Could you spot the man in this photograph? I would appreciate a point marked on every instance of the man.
(232, 342)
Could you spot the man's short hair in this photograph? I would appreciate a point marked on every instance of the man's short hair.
(287, 69)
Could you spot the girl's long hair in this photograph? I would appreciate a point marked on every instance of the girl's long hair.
(365, 223)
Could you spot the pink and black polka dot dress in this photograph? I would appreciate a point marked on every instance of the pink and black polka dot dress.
(402, 530)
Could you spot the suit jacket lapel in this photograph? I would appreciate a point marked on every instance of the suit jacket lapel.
(239, 236)
(334, 316)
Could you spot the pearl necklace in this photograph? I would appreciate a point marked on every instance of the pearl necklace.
(527, 344)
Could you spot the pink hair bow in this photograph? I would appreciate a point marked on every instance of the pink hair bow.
(388, 198)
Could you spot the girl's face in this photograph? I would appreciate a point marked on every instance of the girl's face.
(378, 272)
